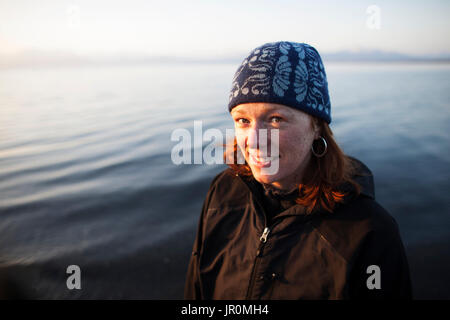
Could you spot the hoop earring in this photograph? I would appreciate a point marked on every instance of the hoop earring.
(325, 147)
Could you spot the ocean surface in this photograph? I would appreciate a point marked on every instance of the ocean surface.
(87, 179)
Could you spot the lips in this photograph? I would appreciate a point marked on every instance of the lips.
(260, 161)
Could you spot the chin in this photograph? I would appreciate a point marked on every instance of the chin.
(268, 174)
(264, 178)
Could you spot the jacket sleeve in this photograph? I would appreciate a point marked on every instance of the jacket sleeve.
(192, 289)
(390, 278)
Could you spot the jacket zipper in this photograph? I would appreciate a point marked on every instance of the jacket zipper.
(263, 240)
(263, 237)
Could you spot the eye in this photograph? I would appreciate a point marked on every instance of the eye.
(276, 119)
(242, 121)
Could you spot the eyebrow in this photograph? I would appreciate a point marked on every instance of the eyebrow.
(273, 109)
(286, 110)
(238, 112)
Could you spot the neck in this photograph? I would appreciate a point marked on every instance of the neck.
(293, 181)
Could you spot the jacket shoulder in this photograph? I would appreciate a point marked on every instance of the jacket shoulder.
(377, 218)
(380, 220)
(227, 189)
(349, 226)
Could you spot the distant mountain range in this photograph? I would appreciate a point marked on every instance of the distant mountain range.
(382, 56)
(41, 58)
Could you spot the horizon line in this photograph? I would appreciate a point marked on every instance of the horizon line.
(57, 58)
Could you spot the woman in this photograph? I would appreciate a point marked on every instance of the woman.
(298, 219)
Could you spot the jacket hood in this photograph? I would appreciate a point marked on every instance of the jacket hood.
(364, 178)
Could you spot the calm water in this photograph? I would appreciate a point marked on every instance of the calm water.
(86, 176)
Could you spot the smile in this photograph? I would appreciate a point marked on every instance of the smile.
(261, 161)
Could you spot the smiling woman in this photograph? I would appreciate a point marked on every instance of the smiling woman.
(311, 229)
(316, 176)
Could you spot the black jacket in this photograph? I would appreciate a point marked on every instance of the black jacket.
(300, 256)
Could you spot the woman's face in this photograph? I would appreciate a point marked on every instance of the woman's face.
(296, 130)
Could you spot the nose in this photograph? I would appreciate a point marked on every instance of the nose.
(258, 137)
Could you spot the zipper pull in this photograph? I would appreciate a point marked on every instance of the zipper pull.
(264, 235)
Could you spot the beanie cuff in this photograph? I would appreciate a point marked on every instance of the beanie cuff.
(286, 73)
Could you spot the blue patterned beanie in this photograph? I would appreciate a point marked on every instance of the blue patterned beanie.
(287, 73)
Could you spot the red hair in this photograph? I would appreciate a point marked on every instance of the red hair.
(324, 176)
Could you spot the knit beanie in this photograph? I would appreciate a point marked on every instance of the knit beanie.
(287, 73)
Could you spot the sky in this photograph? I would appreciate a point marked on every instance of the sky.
(220, 28)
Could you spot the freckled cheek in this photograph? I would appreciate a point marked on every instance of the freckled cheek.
(293, 148)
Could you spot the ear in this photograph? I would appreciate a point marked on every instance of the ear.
(316, 127)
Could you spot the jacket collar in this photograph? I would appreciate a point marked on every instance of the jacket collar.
(363, 177)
